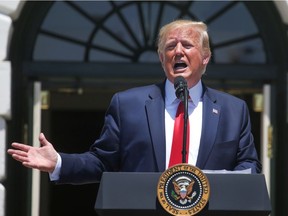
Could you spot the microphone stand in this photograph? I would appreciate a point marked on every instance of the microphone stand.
(184, 152)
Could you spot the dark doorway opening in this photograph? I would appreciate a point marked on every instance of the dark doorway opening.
(74, 132)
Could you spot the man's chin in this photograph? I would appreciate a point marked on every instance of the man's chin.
(182, 73)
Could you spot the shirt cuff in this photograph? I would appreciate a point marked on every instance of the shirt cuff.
(55, 175)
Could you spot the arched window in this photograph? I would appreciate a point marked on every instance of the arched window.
(90, 34)
(119, 31)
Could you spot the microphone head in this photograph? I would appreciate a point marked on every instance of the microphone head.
(180, 85)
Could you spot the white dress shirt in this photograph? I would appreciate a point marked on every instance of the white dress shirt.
(195, 119)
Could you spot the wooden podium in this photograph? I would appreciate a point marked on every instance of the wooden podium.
(135, 194)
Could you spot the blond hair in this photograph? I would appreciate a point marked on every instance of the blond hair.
(199, 27)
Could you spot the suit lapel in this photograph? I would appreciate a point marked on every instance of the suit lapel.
(155, 115)
(211, 114)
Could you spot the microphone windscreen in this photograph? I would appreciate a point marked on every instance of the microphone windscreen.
(180, 84)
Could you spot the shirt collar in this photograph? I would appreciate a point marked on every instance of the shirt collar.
(195, 92)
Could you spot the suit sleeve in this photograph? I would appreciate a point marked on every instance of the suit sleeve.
(247, 155)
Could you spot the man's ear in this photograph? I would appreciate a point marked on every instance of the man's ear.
(206, 59)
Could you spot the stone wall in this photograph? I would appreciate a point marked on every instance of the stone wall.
(8, 9)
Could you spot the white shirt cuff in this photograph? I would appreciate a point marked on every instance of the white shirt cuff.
(55, 175)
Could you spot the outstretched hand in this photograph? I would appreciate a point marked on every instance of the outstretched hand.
(43, 158)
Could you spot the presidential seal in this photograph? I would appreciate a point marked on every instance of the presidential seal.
(183, 189)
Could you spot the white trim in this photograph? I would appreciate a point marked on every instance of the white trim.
(5, 29)
(2, 149)
(5, 89)
(11, 8)
(2, 200)
(282, 7)
(35, 204)
(266, 142)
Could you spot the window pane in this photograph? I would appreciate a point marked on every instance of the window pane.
(246, 52)
(205, 9)
(229, 26)
(51, 49)
(62, 19)
(97, 11)
(105, 40)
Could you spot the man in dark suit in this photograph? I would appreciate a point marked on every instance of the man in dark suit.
(138, 130)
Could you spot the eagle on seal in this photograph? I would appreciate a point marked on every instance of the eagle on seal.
(183, 191)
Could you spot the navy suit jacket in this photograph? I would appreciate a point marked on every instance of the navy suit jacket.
(133, 137)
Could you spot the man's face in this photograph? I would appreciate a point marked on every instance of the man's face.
(182, 55)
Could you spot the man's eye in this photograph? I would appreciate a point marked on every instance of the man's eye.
(170, 47)
(187, 46)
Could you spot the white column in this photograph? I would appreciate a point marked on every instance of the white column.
(267, 130)
(35, 204)
(5, 112)
(5, 89)
(2, 164)
(5, 96)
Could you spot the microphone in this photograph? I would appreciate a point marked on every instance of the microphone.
(180, 86)
(181, 91)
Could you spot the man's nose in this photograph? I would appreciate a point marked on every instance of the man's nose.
(179, 49)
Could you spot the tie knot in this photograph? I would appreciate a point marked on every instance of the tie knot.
(180, 109)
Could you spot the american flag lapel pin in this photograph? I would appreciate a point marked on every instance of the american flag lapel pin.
(215, 111)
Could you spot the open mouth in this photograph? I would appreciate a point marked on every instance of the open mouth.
(180, 65)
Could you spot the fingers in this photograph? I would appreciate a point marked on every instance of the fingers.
(20, 158)
(21, 146)
(20, 151)
(18, 155)
(43, 140)
(17, 152)
(21, 154)
(35, 157)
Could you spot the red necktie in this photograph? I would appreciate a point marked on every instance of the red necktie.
(177, 142)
